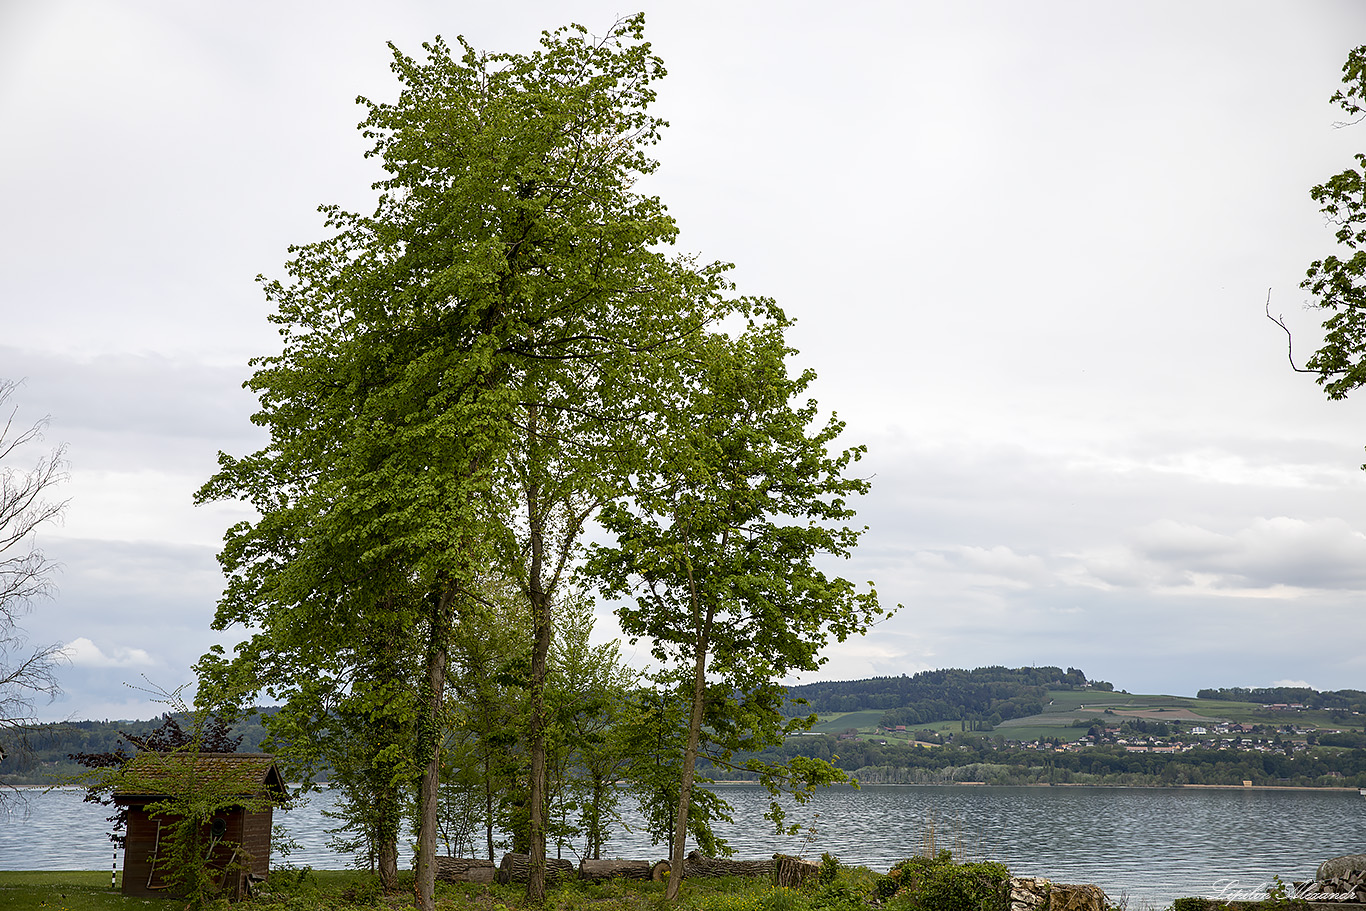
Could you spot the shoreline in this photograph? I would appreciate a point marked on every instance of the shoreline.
(1085, 784)
(946, 784)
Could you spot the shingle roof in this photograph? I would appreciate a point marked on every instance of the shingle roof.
(242, 774)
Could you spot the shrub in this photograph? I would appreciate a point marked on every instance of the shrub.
(845, 889)
(1192, 904)
(938, 884)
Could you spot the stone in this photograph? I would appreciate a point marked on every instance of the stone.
(1346, 888)
(1341, 866)
(1028, 894)
(1038, 894)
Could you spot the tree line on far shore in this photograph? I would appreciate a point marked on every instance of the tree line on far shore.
(1328, 759)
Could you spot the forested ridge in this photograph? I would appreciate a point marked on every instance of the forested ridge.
(47, 760)
(936, 695)
(993, 760)
(1351, 700)
(977, 699)
(942, 695)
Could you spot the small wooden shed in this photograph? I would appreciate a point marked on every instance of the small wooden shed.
(239, 834)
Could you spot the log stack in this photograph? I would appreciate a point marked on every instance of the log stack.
(464, 870)
(784, 870)
(599, 870)
(516, 868)
(695, 864)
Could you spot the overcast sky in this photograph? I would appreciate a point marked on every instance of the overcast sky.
(1028, 246)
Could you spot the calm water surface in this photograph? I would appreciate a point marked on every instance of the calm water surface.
(1146, 845)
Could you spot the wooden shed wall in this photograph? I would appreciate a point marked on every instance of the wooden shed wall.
(248, 831)
(255, 841)
(138, 849)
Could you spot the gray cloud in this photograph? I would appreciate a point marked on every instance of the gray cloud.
(1027, 252)
(1269, 553)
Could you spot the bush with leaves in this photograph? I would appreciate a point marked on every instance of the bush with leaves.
(938, 884)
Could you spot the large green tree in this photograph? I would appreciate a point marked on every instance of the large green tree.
(1338, 281)
(494, 326)
(719, 541)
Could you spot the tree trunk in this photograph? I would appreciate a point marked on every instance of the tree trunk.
(384, 728)
(540, 651)
(424, 870)
(387, 861)
(699, 695)
(595, 824)
(792, 872)
(535, 886)
(488, 799)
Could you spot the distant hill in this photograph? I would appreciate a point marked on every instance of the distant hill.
(985, 694)
(49, 745)
(1025, 703)
(1342, 700)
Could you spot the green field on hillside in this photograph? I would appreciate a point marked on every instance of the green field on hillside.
(841, 721)
(1073, 700)
(1067, 706)
(1064, 708)
(1088, 704)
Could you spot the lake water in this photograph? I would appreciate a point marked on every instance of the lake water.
(1145, 845)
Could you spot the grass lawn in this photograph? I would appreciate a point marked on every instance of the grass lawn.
(335, 890)
(63, 890)
(82, 890)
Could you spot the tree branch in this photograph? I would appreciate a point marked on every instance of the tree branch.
(1289, 339)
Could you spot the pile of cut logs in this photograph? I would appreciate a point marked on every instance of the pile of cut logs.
(785, 870)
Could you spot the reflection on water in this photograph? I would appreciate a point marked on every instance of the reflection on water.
(54, 830)
(1148, 845)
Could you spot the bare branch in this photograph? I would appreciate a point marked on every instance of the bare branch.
(24, 571)
(1289, 339)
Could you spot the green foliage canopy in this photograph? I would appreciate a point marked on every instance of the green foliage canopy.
(1338, 281)
(496, 325)
(717, 544)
